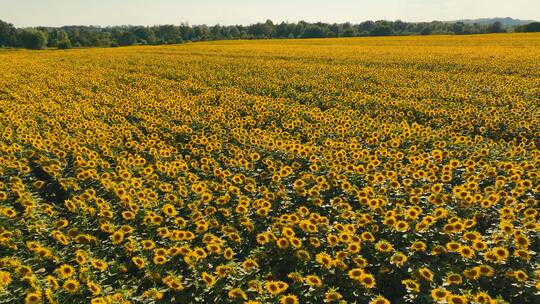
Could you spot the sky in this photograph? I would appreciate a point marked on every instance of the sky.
(23, 13)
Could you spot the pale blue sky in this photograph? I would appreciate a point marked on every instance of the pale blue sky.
(150, 12)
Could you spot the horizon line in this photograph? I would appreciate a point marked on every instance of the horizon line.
(287, 22)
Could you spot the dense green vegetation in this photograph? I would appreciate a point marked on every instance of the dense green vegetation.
(89, 36)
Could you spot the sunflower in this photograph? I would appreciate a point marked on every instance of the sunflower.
(81, 257)
(325, 259)
(228, 253)
(160, 259)
(454, 299)
(383, 246)
(453, 246)
(398, 259)
(9, 212)
(71, 286)
(128, 215)
(522, 254)
(223, 270)
(296, 242)
(411, 285)
(65, 271)
(288, 232)
(208, 279)
(100, 264)
(419, 246)
(148, 244)
(401, 226)
(472, 273)
(522, 241)
(425, 274)
(367, 280)
(174, 283)
(169, 210)
(282, 243)
(249, 264)
(138, 261)
(117, 237)
(5, 279)
(32, 298)
(94, 288)
(439, 294)
(288, 299)
(519, 275)
(482, 298)
(102, 300)
(199, 253)
(500, 253)
(313, 280)
(466, 252)
(479, 245)
(237, 293)
(353, 247)
(454, 278)
(356, 273)
(255, 286)
(332, 239)
(49, 295)
(379, 300)
(367, 236)
(360, 261)
(332, 296)
(52, 282)
(276, 287)
(262, 238)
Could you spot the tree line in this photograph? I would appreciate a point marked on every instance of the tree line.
(94, 36)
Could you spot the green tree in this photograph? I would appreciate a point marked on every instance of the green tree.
(186, 31)
(62, 40)
(33, 39)
(382, 30)
(281, 30)
(127, 38)
(426, 31)
(299, 29)
(313, 31)
(8, 34)
(64, 44)
(169, 34)
(366, 26)
(458, 28)
(268, 28)
(399, 26)
(348, 30)
(496, 27)
(257, 30)
(144, 35)
(216, 32)
(234, 32)
(531, 27)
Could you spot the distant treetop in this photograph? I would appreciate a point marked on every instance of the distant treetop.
(94, 36)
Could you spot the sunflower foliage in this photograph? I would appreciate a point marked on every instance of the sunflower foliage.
(357, 170)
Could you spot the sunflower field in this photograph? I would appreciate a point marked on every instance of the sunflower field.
(354, 170)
